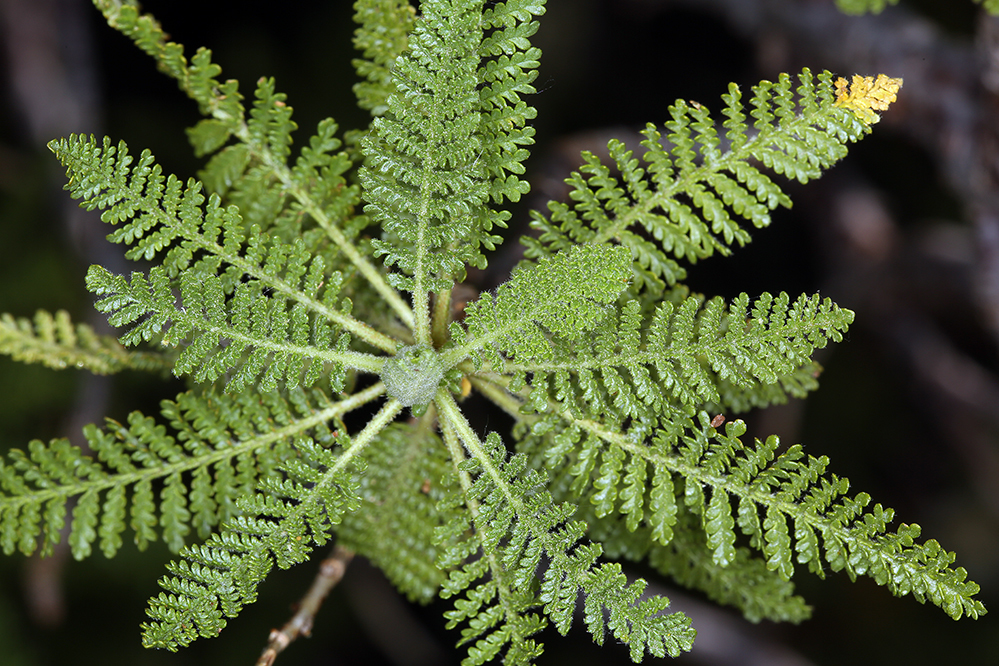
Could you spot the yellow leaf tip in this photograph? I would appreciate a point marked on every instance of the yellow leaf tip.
(866, 94)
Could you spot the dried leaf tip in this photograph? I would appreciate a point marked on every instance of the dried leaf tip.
(865, 95)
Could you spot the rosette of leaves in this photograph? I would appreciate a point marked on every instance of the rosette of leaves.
(293, 292)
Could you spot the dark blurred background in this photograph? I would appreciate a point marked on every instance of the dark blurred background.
(905, 232)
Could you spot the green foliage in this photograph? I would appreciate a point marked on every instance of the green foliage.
(382, 35)
(405, 482)
(691, 198)
(876, 6)
(56, 342)
(221, 447)
(453, 138)
(701, 472)
(863, 6)
(683, 359)
(512, 526)
(563, 295)
(279, 524)
(273, 294)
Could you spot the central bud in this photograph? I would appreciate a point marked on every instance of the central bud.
(413, 374)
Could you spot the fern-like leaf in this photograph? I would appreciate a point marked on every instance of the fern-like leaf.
(222, 447)
(54, 341)
(453, 136)
(744, 582)
(421, 180)
(788, 506)
(289, 515)
(255, 336)
(516, 524)
(381, 36)
(255, 168)
(691, 198)
(689, 356)
(563, 296)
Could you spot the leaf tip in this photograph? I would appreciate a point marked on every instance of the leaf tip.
(865, 95)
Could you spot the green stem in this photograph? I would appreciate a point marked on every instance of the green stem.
(457, 457)
(501, 397)
(441, 318)
(455, 418)
(385, 416)
(465, 480)
(348, 323)
(366, 268)
(421, 298)
(350, 359)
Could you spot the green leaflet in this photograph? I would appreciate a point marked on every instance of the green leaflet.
(791, 509)
(863, 6)
(422, 181)
(291, 513)
(220, 449)
(688, 356)
(691, 199)
(255, 336)
(565, 295)
(452, 137)
(381, 36)
(515, 523)
(56, 342)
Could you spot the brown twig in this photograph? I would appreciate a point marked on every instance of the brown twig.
(330, 573)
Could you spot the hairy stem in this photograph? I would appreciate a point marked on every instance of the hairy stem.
(441, 317)
(385, 416)
(456, 419)
(451, 439)
(366, 268)
(421, 298)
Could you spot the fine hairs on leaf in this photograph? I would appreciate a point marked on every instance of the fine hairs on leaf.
(298, 287)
